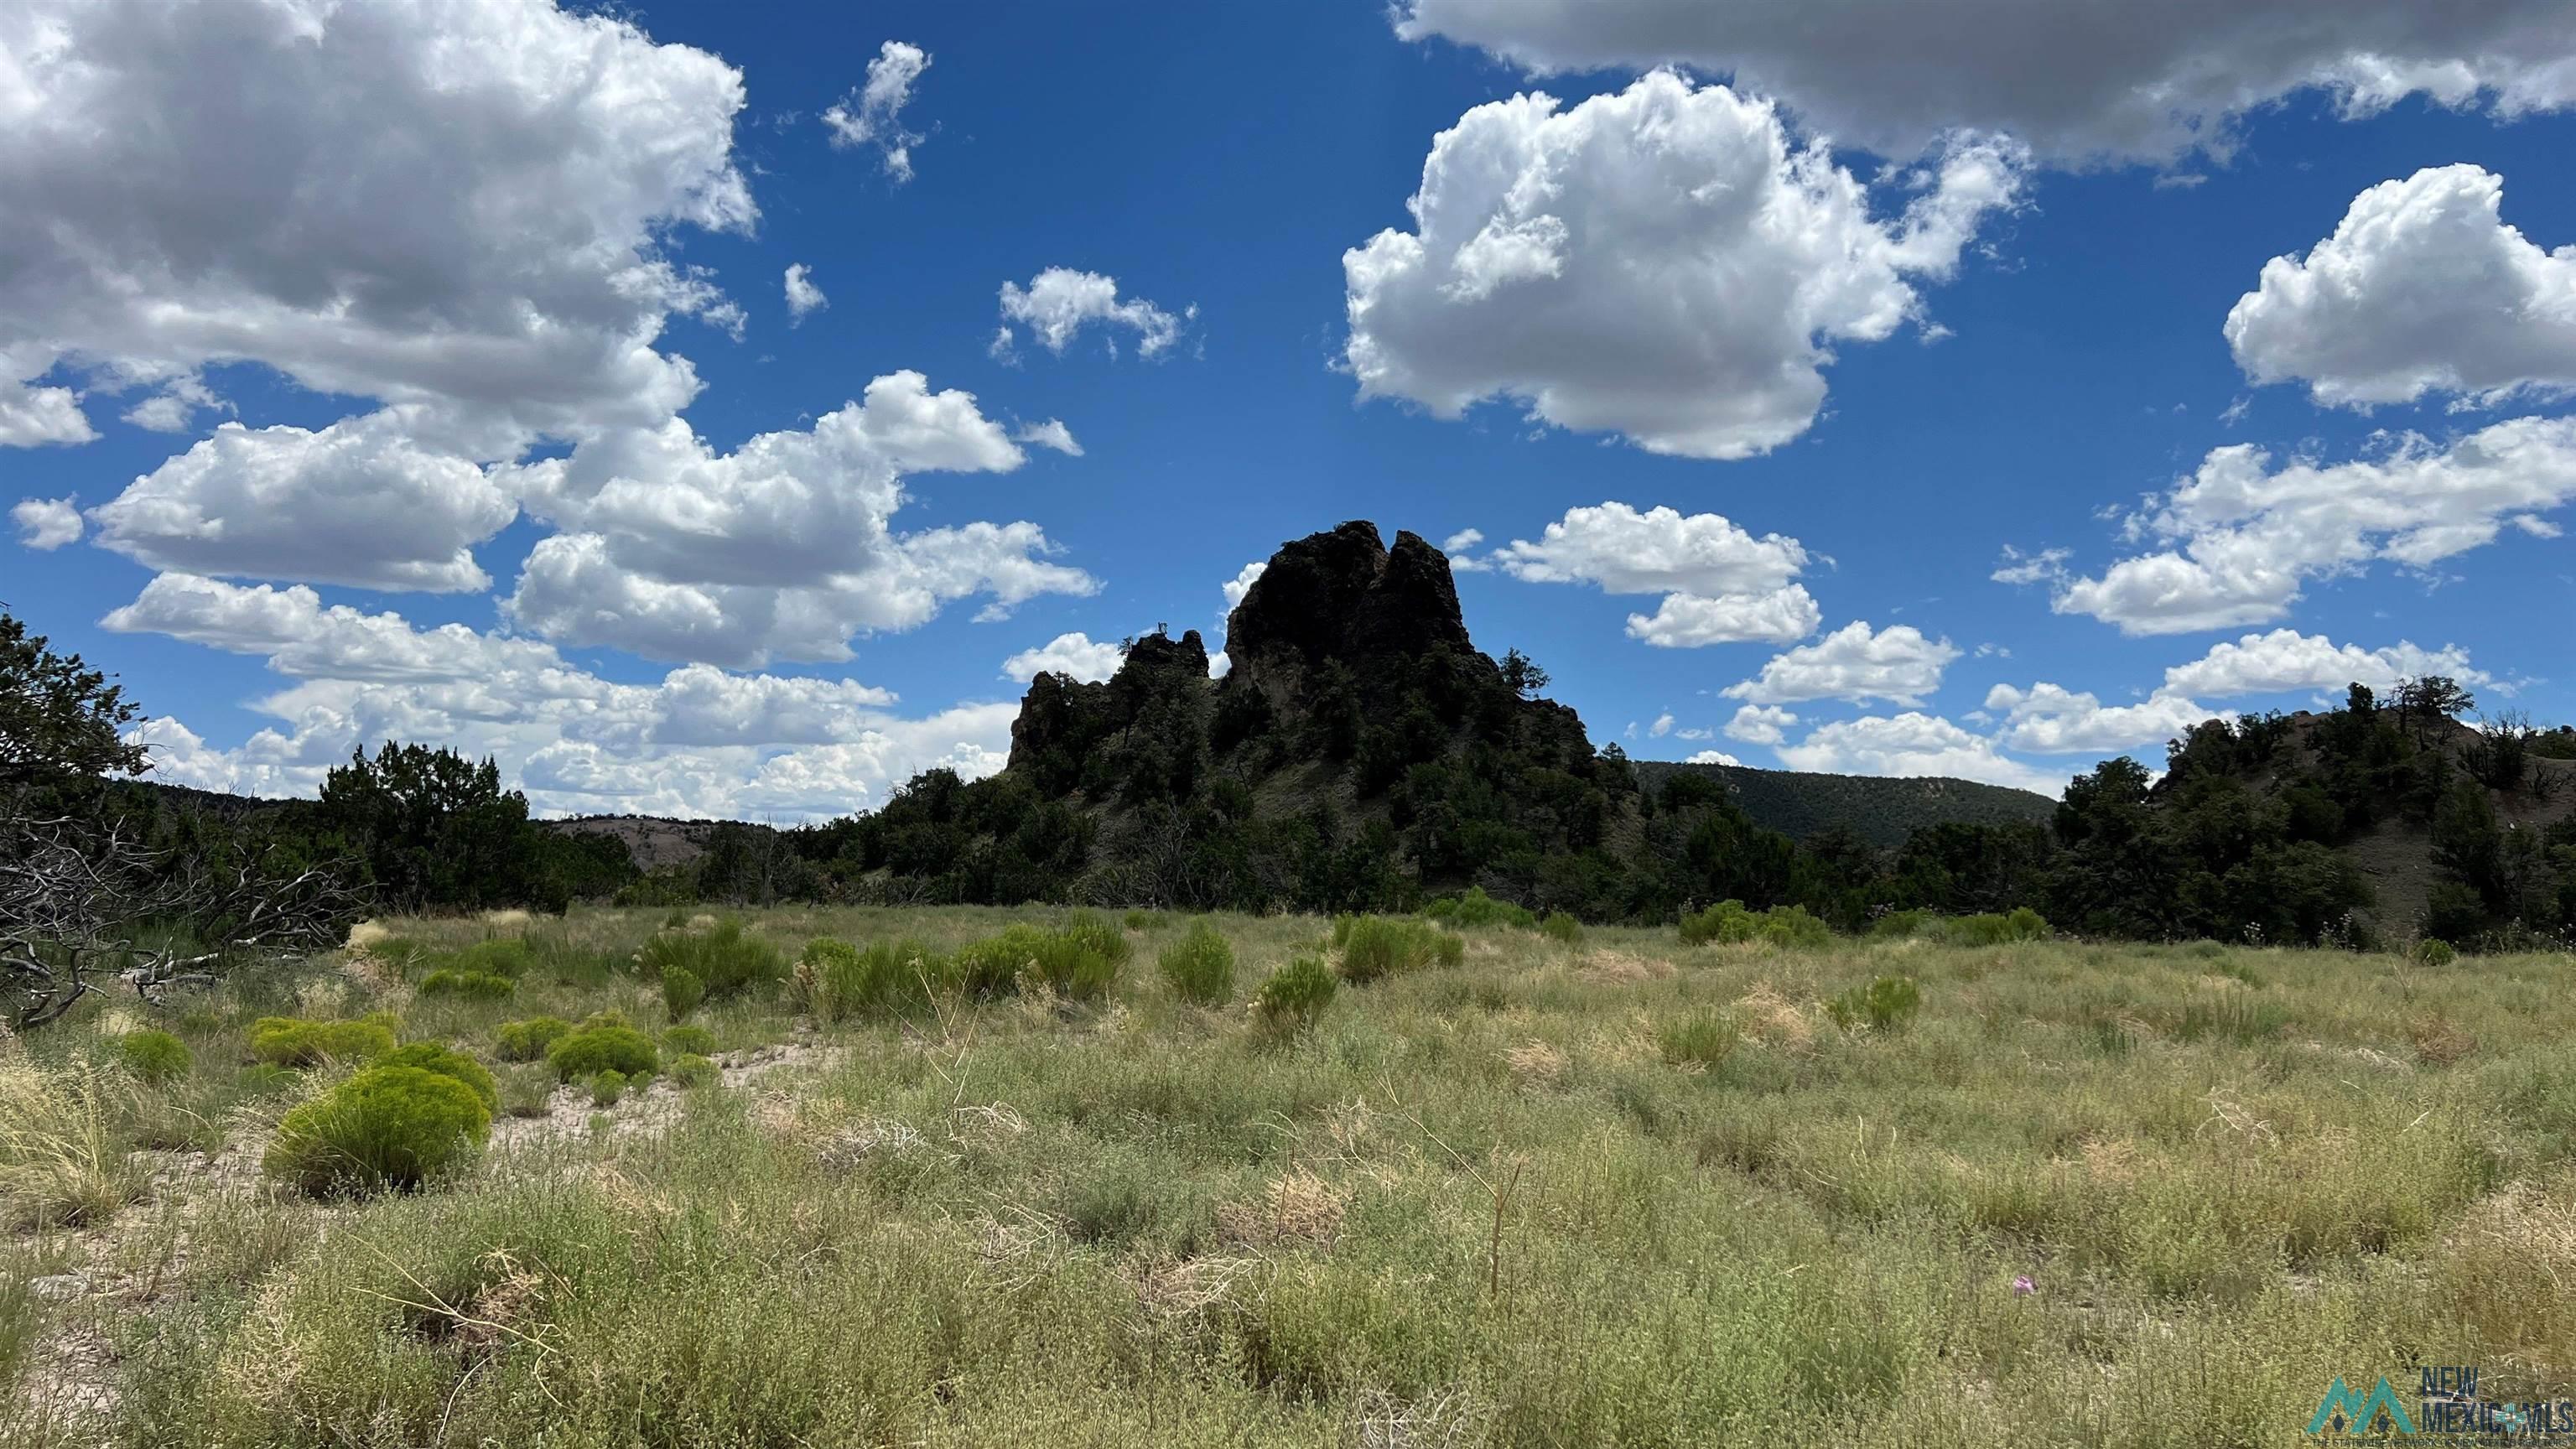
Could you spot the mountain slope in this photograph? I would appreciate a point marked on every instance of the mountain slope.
(1879, 810)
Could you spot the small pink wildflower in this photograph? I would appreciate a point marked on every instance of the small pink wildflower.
(2023, 1287)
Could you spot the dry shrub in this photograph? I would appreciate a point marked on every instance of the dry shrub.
(1619, 968)
(62, 1151)
(2512, 1252)
(2111, 1160)
(995, 1124)
(503, 920)
(322, 997)
(1767, 1016)
(2231, 1119)
(1535, 1064)
(1191, 1285)
(1347, 1125)
(365, 934)
(262, 1364)
(1300, 1208)
(1450, 1419)
(2438, 1043)
(844, 1149)
(1021, 1250)
(510, 1297)
(381, 977)
(632, 1200)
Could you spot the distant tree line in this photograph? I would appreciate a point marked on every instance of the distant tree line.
(1382, 794)
(2239, 839)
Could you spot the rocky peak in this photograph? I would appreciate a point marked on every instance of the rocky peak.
(1063, 722)
(1345, 595)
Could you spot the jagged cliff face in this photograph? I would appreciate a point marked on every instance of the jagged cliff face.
(1344, 596)
(1151, 717)
(1345, 651)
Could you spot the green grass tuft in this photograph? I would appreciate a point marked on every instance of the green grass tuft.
(156, 1058)
(1199, 967)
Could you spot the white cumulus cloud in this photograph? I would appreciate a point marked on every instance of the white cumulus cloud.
(357, 503)
(1059, 302)
(2286, 661)
(872, 115)
(1666, 263)
(2244, 536)
(33, 416)
(1853, 663)
(2422, 288)
(784, 548)
(451, 203)
(1760, 724)
(700, 742)
(1051, 434)
(1913, 746)
(2050, 719)
(45, 524)
(1241, 584)
(1720, 583)
(1074, 654)
(803, 297)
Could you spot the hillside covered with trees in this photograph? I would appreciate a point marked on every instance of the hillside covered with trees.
(1363, 755)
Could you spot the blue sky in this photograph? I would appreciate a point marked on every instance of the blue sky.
(415, 290)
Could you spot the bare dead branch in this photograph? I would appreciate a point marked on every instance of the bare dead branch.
(89, 901)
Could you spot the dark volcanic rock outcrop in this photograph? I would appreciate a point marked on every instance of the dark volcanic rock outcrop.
(1350, 661)
(1141, 732)
(1344, 595)
(1359, 749)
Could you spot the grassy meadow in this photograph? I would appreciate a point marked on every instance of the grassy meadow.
(1578, 1188)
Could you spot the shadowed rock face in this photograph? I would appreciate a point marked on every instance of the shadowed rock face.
(1344, 595)
(1360, 740)
(1063, 720)
(1337, 598)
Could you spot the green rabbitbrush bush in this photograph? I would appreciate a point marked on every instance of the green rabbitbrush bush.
(845, 982)
(1296, 994)
(1703, 1039)
(1199, 966)
(470, 985)
(1885, 1004)
(727, 961)
(1375, 947)
(1475, 910)
(682, 991)
(155, 1057)
(432, 1056)
(387, 1128)
(287, 1041)
(1070, 962)
(526, 1041)
(1094, 933)
(505, 956)
(2021, 924)
(602, 1045)
(1729, 923)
